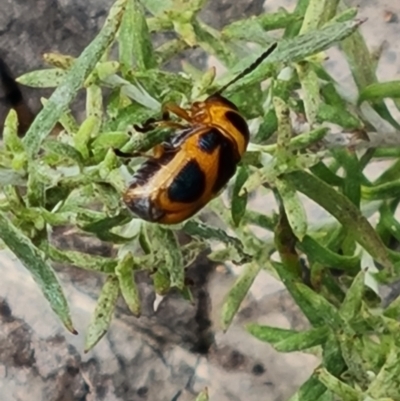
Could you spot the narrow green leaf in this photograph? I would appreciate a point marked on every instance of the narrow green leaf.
(344, 211)
(173, 261)
(330, 9)
(36, 187)
(321, 254)
(289, 340)
(157, 7)
(313, 16)
(337, 115)
(68, 122)
(63, 95)
(62, 150)
(299, 142)
(312, 389)
(283, 151)
(161, 282)
(294, 208)
(42, 273)
(47, 78)
(253, 29)
(170, 49)
(294, 27)
(324, 309)
(193, 227)
(389, 221)
(380, 91)
(142, 44)
(107, 140)
(88, 129)
(126, 37)
(341, 389)
(388, 190)
(94, 102)
(363, 70)
(323, 172)
(291, 51)
(353, 174)
(386, 383)
(239, 202)
(237, 293)
(58, 60)
(103, 312)
(351, 306)
(82, 260)
(129, 289)
(290, 280)
(310, 85)
(10, 134)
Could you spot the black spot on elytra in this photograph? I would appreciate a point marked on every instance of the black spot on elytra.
(189, 185)
(239, 123)
(210, 140)
(226, 164)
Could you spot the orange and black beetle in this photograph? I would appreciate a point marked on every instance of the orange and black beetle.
(189, 170)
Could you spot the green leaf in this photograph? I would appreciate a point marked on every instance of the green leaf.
(42, 273)
(321, 254)
(127, 283)
(351, 306)
(323, 308)
(380, 91)
(237, 293)
(107, 140)
(386, 383)
(387, 190)
(82, 260)
(289, 340)
(312, 389)
(337, 115)
(294, 209)
(344, 211)
(172, 256)
(291, 51)
(363, 70)
(88, 129)
(103, 312)
(62, 150)
(142, 46)
(10, 134)
(76, 76)
(253, 29)
(239, 202)
(310, 86)
(193, 227)
(341, 389)
(47, 78)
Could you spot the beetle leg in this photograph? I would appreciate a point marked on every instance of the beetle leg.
(165, 121)
(120, 153)
(175, 109)
(151, 125)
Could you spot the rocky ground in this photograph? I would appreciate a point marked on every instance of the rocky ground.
(174, 352)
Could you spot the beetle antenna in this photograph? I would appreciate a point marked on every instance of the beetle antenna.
(249, 68)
